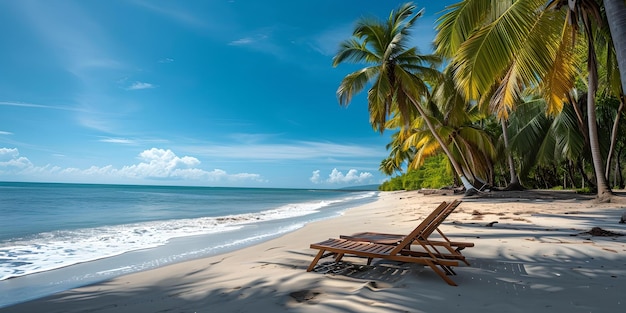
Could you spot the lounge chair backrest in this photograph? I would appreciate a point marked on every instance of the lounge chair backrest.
(437, 222)
(420, 228)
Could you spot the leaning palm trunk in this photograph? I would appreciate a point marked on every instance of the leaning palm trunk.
(616, 17)
(594, 143)
(614, 137)
(469, 188)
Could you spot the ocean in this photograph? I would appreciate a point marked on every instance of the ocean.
(54, 237)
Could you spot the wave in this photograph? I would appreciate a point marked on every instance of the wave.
(61, 248)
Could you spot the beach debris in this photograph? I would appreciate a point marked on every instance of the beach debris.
(623, 219)
(599, 232)
(476, 215)
(304, 295)
(491, 224)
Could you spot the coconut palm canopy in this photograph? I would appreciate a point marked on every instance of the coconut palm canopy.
(543, 58)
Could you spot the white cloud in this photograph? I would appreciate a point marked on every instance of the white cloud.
(5, 133)
(292, 151)
(337, 177)
(262, 36)
(124, 141)
(25, 105)
(161, 163)
(265, 41)
(153, 164)
(166, 60)
(11, 159)
(316, 177)
(140, 85)
(33, 105)
(6, 153)
(242, 41)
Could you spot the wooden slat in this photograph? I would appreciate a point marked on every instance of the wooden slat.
(373, 250)
(400, 251)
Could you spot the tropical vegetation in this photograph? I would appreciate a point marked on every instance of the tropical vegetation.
(518, 93)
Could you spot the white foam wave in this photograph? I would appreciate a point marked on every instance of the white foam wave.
(51, 250)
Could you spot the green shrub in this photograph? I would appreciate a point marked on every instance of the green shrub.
(435, 173)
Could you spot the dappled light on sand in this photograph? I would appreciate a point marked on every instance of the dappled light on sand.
(538, 257)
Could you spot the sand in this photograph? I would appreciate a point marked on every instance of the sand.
(536, 258)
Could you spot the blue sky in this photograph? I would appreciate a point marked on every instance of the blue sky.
(208, 93)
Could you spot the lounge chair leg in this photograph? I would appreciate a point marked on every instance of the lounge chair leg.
(442, 274)
(315, 260)
(339, 257)
(448, 270)
(369, 261)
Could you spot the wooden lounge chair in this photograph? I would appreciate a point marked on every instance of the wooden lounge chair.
(341, 247)
(421, 235)
(399, 251)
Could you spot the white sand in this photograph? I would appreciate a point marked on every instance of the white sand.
(533, 260)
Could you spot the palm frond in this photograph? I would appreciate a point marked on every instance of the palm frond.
(457, 24)
(381, 100)
(559, 79)
(374, 37)
(507, 94)
(570, 142)
(353, 51)
(354, 83)
(488, 52)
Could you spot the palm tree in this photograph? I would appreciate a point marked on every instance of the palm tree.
(555, 139)
(398, 74)
(455, 122)
(530, 45)
(610, 88)
(584, 11)
(491, 67)
(616, 15)
(397, 156)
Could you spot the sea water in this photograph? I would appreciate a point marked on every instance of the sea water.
(59, 236)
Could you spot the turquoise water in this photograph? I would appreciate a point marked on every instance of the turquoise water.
(94, 232)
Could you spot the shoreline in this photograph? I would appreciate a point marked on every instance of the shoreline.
(47, 282)
(535, 257)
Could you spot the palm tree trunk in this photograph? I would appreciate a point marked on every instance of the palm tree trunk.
(580, 164)
(469, 188)
(570, 173)
(616, 17)
(514, 183)
(594, 145)
(579, 118)
(603, 190)
(614, 136)
(618, 161)
(467, 170)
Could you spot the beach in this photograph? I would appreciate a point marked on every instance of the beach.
(540, 256)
